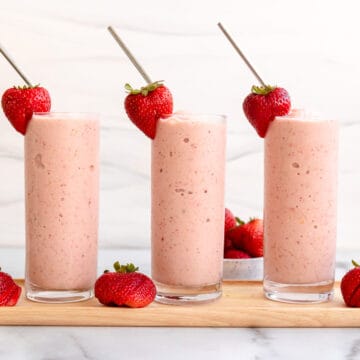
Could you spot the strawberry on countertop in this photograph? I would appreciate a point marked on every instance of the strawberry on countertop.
(350, 286)
(147, 105)
(125, 287)
(19, 103)
(9, 290)
(264, 104)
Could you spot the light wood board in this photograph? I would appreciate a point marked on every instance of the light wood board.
(242, 305)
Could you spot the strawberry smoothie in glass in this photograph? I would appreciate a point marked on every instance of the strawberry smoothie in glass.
(62, 187)
(187, 229)
(300, 208)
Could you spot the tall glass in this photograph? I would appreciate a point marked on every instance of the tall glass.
(187, 232)
(62, 188)
(300, 209)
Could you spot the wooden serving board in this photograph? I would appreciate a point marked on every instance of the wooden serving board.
(242, 305)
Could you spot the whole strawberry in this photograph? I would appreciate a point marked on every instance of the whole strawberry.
(230, 220)
(19, 103)
(350, 286)
(248, 237)
(263, 104)
(125, 287)
(147, 105)
(9, 290)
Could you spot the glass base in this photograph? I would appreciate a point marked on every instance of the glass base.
(299, 293)
(34, 293)
(181, 295)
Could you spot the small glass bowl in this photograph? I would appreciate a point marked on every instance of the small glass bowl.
(244, 269)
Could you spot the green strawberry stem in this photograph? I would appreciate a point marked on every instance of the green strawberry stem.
(25, 87)
(355, 263)
(145, 89)
(128, 268)
(239, 221)
(262, 90)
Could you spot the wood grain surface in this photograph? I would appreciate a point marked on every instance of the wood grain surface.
(242, 305)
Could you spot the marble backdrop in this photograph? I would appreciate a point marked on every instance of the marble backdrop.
(309, 47)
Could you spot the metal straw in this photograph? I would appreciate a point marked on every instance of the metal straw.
(241, 54)
(129, 55)
(12, 63)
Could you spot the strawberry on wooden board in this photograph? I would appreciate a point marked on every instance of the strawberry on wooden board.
(248, 237)
(350, 286)
(19, 103)
(9, 290)
(125, 287)
(264, 104)
(147, 105)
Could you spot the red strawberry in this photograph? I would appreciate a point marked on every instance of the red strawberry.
(249, 237)
(147, 105)
(263, 104)
(230, 220)
(125, 287)
(236, 254)
(228, 244)
(19, 103)
(9, 290)
(350, 286)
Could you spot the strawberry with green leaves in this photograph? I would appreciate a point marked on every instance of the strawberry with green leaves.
(125, 287)
(19, 104)
(147, 105)
(264, 104)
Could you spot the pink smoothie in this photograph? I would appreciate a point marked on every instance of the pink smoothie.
(187, 232)
(300, 199)
(61, 184)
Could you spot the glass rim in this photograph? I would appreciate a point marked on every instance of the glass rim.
(300, 114)
(66, 114)
(199, 116)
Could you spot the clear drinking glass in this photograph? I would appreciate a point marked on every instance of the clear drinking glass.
(300, 209)
(187, 232)
(62, 190)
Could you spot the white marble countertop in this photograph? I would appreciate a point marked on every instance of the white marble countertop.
(178, 343)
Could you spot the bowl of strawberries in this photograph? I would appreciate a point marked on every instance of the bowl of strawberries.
(243, 248)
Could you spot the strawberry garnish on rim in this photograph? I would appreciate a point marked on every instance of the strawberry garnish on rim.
(264, 104)
(20, 102)
(145, 106)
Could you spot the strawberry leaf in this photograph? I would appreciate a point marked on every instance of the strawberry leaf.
(262, 90)
(124, 269)
(145, 89)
